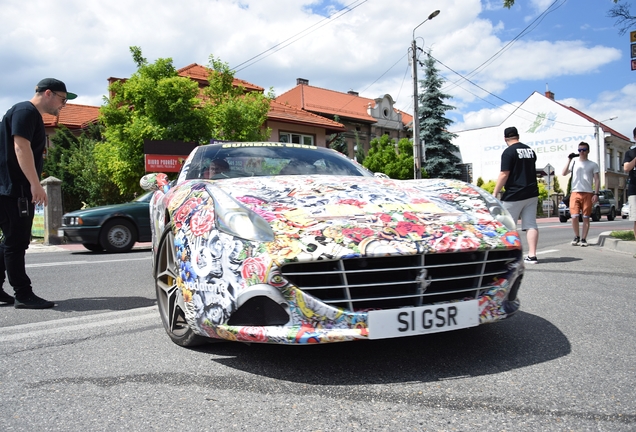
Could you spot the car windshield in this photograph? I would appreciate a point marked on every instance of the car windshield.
(230, 160)
(145, 197)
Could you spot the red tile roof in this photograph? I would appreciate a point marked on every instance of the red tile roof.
(593, 120)
(73, 116)
(200, 74)
(290, 114)
(330, 102)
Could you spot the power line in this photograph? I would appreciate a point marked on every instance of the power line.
(334, 16)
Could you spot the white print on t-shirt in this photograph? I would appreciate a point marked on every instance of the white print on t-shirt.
(525, 153)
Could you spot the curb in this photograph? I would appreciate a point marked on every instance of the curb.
(606, 241)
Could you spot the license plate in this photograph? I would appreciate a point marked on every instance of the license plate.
(392, 323)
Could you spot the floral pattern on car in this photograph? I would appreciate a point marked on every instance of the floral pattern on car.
(310, 223)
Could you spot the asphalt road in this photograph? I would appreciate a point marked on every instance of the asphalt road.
(101, 361)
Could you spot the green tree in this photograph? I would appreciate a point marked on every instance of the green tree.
(154, 103)
(338, 141)
(386, 157)
(441, 154)
(236, 115)
(489, 186)
(359, 156)
(72, 160)
(480, 182)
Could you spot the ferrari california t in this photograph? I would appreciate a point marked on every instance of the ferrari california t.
(293, 244)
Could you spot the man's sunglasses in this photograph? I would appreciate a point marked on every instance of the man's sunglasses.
(64, 100)
(583, 150)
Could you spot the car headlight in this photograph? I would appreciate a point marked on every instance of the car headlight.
(75, 220)
(496, 209)
(235, 219)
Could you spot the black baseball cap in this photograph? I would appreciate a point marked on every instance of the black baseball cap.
(511, 132)
(54, 85)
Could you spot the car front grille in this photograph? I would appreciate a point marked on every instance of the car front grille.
(398, 281)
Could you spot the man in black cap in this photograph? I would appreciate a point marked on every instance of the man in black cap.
(22, 144)
(518, 177)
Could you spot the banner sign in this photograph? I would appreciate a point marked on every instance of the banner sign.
(163, 163)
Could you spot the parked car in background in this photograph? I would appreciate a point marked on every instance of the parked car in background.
(625, 211)
(605, 206)
(114, 228)
(294, 244)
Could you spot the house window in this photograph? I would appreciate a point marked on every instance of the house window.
(289, 137)
(619, 161)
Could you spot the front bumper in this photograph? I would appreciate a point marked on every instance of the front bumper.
(89, 234)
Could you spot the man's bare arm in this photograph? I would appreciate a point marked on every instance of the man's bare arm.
(24, 154)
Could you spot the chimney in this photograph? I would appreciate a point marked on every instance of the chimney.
(302, 81)
(353, 93)
(548, 93)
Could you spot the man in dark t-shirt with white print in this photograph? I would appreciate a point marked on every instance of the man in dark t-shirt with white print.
(518, 177)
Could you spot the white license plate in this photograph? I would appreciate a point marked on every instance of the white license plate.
(392, 323)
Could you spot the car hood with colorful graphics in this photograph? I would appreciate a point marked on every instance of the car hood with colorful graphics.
(366, 215)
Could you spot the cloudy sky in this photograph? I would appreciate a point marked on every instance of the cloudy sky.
(492, 58)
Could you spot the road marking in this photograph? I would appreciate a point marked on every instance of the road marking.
(63, 263)
(548, 251)
(82, 323)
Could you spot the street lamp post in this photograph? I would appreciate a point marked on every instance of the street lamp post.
(417, 146)
(600, 151)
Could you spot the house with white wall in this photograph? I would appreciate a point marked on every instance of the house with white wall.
(553, 130)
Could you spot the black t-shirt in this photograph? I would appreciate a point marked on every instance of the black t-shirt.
(22, 119)
(631, 185)
(520, 160)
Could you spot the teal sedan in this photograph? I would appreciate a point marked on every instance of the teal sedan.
(114, 228)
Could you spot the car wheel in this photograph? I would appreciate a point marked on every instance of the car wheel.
(596, 214)
(624, 217)
(118, 235)
(93, 247)
(563, 219)
(611, 215)
(169, 296)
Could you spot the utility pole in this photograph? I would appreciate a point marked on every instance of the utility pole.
(417, 145)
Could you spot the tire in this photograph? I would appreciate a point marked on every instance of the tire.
(118, 235)
(93, 247)
(612, 214)
(596, 214)
(563, 219)
(170, 298)
(624, 217)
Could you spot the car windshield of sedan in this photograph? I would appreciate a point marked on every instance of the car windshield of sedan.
(231, 160)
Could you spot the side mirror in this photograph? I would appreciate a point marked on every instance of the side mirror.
(155, 182)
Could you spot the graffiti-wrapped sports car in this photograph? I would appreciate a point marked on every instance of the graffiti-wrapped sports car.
(293, 244)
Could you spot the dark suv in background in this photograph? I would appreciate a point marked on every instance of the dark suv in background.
(605, 206)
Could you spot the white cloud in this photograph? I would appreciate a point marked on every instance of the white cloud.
(84, 42)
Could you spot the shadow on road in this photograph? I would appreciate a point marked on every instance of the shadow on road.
(558, 260)
(103, 303)
(520, 341)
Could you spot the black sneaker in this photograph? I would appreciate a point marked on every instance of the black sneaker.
(6, 298)
(531, 260)
(583, 243)
(33, 302)
(576, 241)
